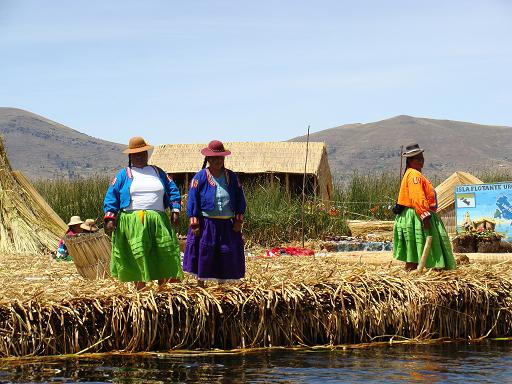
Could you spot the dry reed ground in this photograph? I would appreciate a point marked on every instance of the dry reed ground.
(47, 308)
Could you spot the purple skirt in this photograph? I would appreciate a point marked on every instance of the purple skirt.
(217, 253)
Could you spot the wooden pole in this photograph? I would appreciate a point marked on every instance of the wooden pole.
(304, 186)
(401, 162)
(424, 255)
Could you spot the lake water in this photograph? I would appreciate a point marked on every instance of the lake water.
(488, 362)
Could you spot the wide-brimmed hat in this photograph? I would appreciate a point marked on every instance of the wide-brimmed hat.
(75, 220)
(412, 150)
(89, 225)
(137, 144)
(215, 148)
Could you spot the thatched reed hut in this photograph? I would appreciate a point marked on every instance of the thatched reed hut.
(27, 223)
(280, 162)
(446, 197)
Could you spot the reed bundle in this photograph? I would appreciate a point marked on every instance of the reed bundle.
(361, 228)
(46, 308)
(24, 224)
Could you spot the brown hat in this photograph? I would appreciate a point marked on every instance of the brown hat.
(215, 148)
(412, 150)
(89, 225)
(137, 144)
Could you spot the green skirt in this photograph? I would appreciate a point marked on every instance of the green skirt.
(145, 247)
(409, 239)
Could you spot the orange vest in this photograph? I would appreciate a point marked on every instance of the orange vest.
(418, 193)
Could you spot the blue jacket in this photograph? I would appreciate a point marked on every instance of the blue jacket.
(118, 194)
(203, 188)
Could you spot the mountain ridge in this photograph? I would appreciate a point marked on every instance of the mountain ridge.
(449, 145)
(46, 149)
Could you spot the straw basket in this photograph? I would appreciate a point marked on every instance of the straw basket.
(91, 254)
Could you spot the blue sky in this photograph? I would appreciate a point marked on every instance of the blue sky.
(190, 71)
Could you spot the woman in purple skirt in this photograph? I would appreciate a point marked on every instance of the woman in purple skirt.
(216, 207)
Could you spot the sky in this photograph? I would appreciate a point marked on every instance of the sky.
(192, 71)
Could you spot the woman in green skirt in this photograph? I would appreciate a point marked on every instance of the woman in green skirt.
(144, 244)
(417, 218)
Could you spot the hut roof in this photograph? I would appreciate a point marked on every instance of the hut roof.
(246, 157)
(445, 190)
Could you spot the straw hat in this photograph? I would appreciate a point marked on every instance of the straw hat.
(215, 148)
(75, 220)
(412, 150)
(89, 225)
(137, 144)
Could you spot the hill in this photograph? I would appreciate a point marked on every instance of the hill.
(42, 148)
(449, 145)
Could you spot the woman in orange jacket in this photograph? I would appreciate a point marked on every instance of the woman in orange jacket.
(417, 218)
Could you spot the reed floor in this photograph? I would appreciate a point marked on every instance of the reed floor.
(27, 277)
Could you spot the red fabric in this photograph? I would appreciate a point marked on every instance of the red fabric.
(296, 251)
(69, 233)
(293, 251)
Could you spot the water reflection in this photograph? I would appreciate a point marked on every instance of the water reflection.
(449, 362)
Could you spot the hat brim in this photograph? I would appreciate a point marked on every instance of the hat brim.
(89, 228)
(209, 152)
(74, 223)
(412, 153)
(137, 150)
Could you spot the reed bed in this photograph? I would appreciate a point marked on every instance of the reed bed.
(46, 308)
(82, 197)
(273, 216)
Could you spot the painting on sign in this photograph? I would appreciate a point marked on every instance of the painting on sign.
(485, 203)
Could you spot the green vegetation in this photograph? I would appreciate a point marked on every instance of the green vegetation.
(82, 197)
(273, 216)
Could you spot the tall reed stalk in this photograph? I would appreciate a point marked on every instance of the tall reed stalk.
(82, 197)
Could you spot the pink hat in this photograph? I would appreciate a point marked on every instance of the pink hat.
(215, 148)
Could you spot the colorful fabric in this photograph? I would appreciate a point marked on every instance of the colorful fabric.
(202, 192)
(61, 253)
(293, 251)
(118, 195)
(217, 253)
(417, 192)
(409, 238)
(145, 247)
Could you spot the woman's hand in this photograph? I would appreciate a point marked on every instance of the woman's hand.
(175, 218)
(426, 223)
(196, 230)
(110, 226)
(237, 226)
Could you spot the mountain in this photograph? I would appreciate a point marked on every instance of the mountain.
(449, 145)
(44, 149)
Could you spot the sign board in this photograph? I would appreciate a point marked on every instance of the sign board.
(492, 202)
